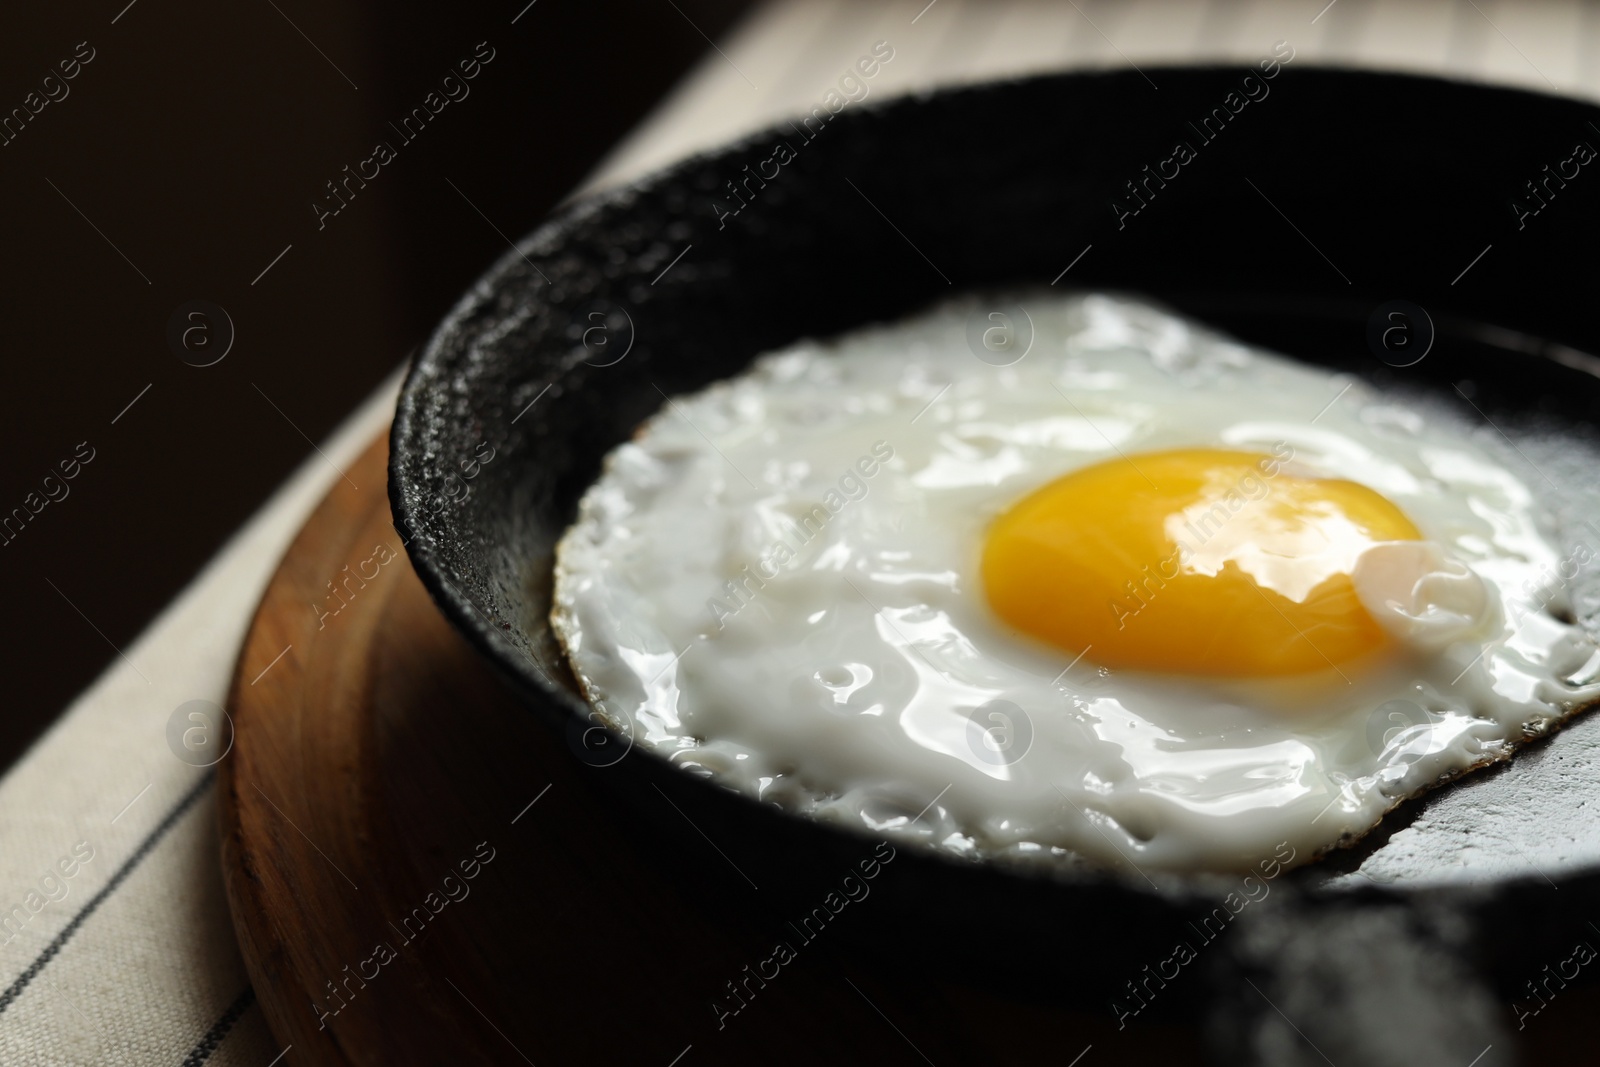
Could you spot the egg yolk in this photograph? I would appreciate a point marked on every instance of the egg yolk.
(1197, 561)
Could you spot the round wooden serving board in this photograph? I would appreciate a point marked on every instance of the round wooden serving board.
(421, 871)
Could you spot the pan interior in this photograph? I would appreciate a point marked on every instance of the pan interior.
(981, 197)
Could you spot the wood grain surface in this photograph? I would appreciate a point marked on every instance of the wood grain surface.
(399, 901)
(420, 871)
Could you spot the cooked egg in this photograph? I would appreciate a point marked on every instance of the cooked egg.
(1145, 597)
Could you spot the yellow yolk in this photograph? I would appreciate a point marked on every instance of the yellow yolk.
(1196, 561)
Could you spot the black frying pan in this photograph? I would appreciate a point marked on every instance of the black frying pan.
(1313, 208)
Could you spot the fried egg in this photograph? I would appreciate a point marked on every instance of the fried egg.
(1144, 598)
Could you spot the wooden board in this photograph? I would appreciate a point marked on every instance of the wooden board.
(377, 753)
(377, 764)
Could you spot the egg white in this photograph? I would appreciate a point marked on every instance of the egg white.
(776, 584)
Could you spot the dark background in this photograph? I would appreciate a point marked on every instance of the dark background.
(195, 142)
